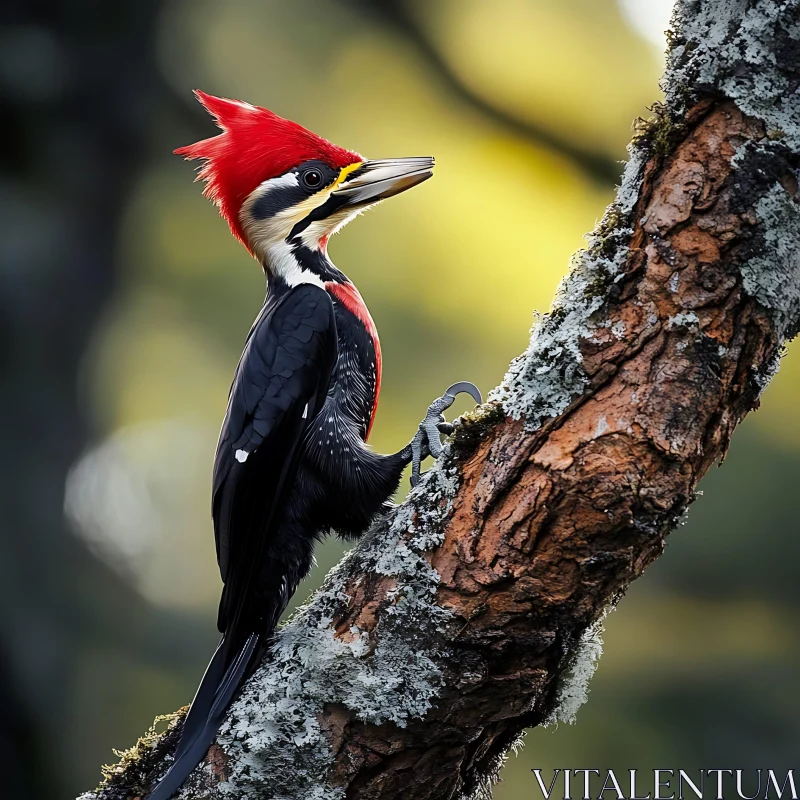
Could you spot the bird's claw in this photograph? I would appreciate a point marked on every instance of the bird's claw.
(426, 441)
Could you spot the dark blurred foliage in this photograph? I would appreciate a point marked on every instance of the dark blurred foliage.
(124, 302)
(78, 107)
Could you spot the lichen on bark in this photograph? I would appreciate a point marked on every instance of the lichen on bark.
(743, 50)
(549, 375)
(385, 675)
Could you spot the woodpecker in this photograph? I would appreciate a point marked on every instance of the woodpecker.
(292, 462)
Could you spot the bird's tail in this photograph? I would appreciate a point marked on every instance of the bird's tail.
(205, 715)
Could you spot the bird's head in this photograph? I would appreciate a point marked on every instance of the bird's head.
(277, 183)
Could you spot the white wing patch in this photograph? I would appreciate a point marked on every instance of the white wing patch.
(241, 456)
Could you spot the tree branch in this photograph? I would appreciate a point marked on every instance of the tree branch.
(396, 14)
(472, 612)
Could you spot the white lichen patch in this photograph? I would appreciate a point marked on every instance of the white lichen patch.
(763, 376)
(733, 46)
(773, 276)
(602, 427)
(273, 732)
(687, 320)
(543, 381)
(618, 329)
(573, 683)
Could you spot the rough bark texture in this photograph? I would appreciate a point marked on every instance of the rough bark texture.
(473, 611)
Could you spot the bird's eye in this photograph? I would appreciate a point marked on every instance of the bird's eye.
(312, 178)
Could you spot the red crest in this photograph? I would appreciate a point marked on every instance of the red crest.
(254, 146)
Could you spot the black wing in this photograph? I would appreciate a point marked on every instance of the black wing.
(279, 387)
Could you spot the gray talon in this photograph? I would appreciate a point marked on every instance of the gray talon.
(431, 429)
(467, 388)
(426, 441)
(419, 451)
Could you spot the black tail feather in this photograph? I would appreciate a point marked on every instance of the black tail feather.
(206, 713)
(203, 700)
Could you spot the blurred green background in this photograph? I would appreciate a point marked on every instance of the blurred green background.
(124, 303)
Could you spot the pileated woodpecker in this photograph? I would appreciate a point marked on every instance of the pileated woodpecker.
(292, 461)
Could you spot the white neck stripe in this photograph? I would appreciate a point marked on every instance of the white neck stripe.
(282, 263)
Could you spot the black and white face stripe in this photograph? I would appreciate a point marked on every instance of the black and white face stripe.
(292, 189)
(311, 202)
(274, 214)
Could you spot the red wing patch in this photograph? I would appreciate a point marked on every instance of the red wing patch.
(351, 299)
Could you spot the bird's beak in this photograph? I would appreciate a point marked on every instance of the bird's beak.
(374, 181)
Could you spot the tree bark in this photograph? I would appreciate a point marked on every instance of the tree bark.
(474, 610)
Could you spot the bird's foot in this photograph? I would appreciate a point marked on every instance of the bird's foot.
(426, 441)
